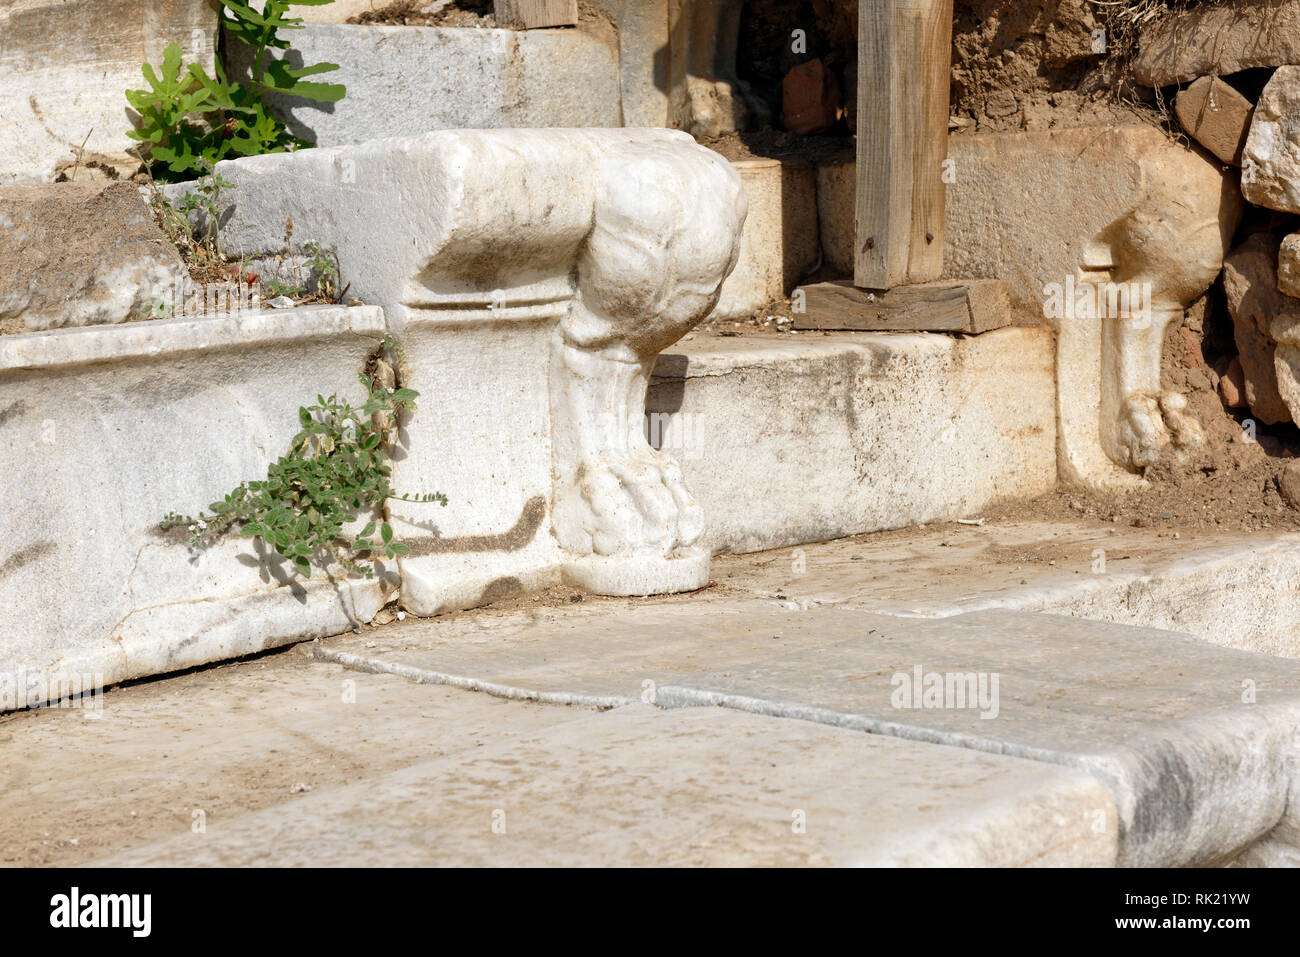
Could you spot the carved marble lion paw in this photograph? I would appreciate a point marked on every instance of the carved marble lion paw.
(1142, 433)
(627, 504)
(1151, 426)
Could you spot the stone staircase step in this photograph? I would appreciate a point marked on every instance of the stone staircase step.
(1198, 766)
(1193, 741)
(404, 80)
(639, 786)
(1233, 589)
(66, 65)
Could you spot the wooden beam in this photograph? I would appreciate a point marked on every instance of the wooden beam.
(531, 14)
(904, 72)
(971, 306)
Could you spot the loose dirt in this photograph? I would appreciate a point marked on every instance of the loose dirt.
(781, 145)
(461, 13)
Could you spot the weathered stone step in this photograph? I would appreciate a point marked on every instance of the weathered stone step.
(1238, 590)
(788, 439)
(403, 80)
(1195, 742)
(1198, 766)
(67, 64)
(639, 786)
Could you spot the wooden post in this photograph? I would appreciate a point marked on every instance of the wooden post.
(904, 71)
(530, 14)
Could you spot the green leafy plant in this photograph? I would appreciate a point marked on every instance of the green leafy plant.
(189, 120)
(192, 224)
(324, 268)
(275, 288)
(313, 275)
(337, 468)
(176, 219)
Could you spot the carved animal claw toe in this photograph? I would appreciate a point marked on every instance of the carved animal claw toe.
(1143, 435)
(1185, 428)
(1151, 426)
(634, 503)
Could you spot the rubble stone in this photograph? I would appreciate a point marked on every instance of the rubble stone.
(1270, 163)
(810, 99)
(1288, 266)
(1216, 116)
(1232, 387)
(1288, 481)
(81, 254)
(1002, 112)
(1218, 40)
(1253, 301)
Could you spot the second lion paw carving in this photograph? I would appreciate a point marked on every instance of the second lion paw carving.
(1150, 427)
(623, 504)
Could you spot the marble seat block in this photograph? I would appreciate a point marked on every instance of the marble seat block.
(103, 431)
(533, 276)
(1105, 234)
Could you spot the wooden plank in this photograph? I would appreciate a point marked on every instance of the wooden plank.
(970, 306)
(531, 14)
(904, 72)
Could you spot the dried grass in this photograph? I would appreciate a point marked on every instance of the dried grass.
(1125, 21)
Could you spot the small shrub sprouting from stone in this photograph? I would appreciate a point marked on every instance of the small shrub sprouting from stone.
(337, 468)
(189, 120)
